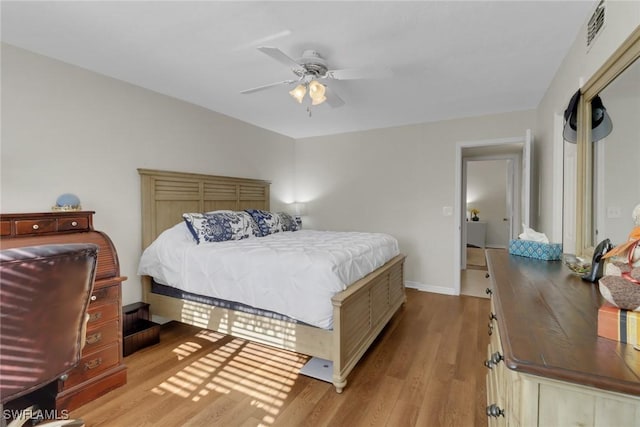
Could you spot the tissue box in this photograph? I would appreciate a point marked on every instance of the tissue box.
(531, 249)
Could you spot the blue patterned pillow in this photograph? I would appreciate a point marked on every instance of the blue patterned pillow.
(197, 225)
(250, 227)
(287, 222)
(268, 222)
(219, 226)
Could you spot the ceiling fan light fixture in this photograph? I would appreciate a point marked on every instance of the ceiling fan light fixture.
(298, 93)
(316, 92)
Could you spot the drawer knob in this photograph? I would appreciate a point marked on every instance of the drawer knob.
(74, 223)
(496, 358)
(488, 291)
(490, 326)
(35, 226)
(494, 410)
(486, 276)
(93, 297)
(493, 360)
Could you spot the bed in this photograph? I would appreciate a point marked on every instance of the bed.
(359, 313)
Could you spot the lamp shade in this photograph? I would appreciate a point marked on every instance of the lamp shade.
(299, 209)
(318, 100)
(298, 93)
(316, 92)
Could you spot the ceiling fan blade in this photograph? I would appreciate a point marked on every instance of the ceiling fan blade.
(282, 57)
(333, 99)
(259, 88)
(359, 73)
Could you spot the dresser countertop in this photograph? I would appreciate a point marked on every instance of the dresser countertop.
(547, 318)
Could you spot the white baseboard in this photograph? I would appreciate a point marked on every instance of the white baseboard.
(429, 288)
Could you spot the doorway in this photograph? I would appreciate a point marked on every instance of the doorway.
(488, 194)
(514, 156)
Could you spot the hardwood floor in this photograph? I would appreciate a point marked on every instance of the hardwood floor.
(424, 370)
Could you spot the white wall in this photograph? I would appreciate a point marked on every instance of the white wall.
(576, 69)
(396, 180)
(65, 129)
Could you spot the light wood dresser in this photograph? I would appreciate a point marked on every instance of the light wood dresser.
(101, 368)
(546, 364)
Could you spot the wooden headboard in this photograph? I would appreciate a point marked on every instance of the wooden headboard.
(167, 195)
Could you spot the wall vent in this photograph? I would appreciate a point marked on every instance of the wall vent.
(596, 23)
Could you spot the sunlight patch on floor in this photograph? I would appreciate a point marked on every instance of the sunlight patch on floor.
(186, 349)
(263, 373)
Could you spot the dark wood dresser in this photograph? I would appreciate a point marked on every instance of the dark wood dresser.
(101, 368)
(547, 366)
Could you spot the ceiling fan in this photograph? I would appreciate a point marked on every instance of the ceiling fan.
(309, 70)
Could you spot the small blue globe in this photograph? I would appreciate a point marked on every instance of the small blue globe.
(67, 200)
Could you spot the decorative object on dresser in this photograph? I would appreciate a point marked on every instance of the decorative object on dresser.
(618, 324)
(67, 202)
(538, 250)
(620, 285)
(101, 368)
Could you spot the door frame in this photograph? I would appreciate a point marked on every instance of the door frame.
(460, 214)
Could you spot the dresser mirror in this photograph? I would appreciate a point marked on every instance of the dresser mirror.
(608, 169)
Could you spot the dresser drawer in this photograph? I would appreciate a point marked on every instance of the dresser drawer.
(104, 295)
(102, 313)
(92, 364)
(36, 226)
(100, 335)
(78, 223)
(5, 228)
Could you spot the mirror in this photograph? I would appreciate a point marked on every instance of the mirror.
(608, 169)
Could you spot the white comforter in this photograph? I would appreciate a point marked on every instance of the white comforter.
(291, 273)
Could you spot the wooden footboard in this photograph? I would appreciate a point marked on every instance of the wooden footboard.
(361, 312)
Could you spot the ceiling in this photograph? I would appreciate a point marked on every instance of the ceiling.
(449, 59)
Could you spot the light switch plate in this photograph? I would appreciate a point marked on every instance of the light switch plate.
(614, 212)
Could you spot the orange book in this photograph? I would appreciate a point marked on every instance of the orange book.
(618, 324)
